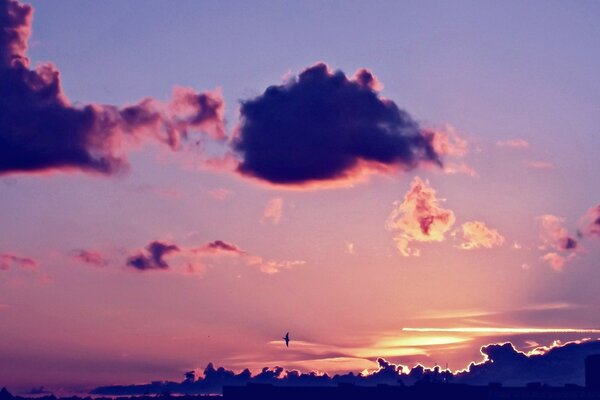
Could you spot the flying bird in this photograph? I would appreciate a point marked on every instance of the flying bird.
(287, 339)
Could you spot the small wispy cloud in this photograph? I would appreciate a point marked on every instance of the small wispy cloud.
(9, 260)
(476, 235)
(350, 248)
(540, 165)
(220, 193)
(513, 143)
(273, 211)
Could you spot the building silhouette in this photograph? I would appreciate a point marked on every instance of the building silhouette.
(592, 371)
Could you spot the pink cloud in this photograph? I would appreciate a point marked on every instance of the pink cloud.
(447, 142)
(419, 218)
(554, 234)
(452, 168)
(8, 261)
(90, 257)
(590, 222)
(556, 237)
(555, 260)
(218, 248)
(513, 143)
(540, 165)
(477, 235)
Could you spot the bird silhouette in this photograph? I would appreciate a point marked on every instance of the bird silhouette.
(287, 339)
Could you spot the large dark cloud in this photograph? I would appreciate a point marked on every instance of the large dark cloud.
(556, 365)
(41, 130)
(153, 258)
(324, 126)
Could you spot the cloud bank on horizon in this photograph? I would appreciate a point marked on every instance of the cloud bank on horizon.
(556, 365)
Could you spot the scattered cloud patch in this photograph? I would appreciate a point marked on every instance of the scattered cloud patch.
(477, 235)
(9, 260)
(556, 261)
(590, 223)
(453, 168)
(556, 238)
(554, 235)
(194, 260)
(446, 142)
(218, 248)
(90, 257)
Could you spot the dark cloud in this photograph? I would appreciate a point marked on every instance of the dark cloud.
(40, 130)
(556, 365)
(567, 243)
(219, 245)
(323, 126)
(153, 258)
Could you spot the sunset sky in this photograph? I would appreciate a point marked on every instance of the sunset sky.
(421, 179)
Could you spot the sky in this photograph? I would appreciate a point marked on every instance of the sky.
(185, 182)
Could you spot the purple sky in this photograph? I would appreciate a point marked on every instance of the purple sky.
(375, 237)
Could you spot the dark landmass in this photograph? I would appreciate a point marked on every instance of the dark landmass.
(420, 391)
(6, 395)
